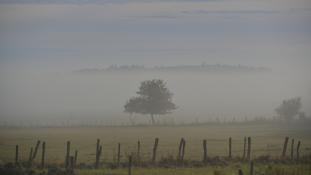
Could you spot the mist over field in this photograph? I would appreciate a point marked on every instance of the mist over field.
(200, 96)
(42, 45)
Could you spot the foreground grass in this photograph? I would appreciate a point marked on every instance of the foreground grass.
(210, 170)
(231, 169)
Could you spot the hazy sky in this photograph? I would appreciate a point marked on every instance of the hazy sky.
(40, 38)
(99, 33)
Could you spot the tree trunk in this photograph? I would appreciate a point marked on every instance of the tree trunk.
(152, 119)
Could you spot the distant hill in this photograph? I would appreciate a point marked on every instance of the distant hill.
(183, 68)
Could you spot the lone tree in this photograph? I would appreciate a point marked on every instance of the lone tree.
(289, 108)
(153, 98)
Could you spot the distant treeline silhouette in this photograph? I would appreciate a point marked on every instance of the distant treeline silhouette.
(190, 68)
(215, 121)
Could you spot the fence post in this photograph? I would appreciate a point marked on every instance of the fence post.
(36, 150)
(292, 150)
(249, 145)
(119, 154)
(244, 148)
(97, 153)
(43, 155)
(285, 147)
(138, 151)
(130, 165)
(252, 168)
(183, 150)
(67, 155)
(230, 147)
(16, 155)
(297, 149)
(155, 146)
(204, 151)
(76, 158)
(180, 149)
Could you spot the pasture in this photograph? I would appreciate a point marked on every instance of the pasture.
(214, 170)
(267, 139)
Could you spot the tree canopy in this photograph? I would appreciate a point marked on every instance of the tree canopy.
(289, 108)
(154, 98)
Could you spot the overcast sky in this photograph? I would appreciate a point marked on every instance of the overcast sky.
(63, 34)
(38, 37)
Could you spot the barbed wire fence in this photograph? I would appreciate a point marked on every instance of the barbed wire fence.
(193, 151)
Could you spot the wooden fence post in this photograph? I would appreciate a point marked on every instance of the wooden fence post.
(204, 151)
(138, 151)
(155, 147)
(297, 150)
(230, 147)
(130, 165)
(97, 153)
(16, 155)
(97, 145)
(292, 150)
(67, 155)
(36, 150)
(43, 155)
(249, 145)
(180, 149)
(285, 147)
(244, 148)
(183, 150)
(119, 154)
(252, 168)
(76, 158)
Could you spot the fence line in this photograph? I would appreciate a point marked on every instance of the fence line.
(142, 154)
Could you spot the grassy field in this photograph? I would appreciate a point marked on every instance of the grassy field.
(214, 170)
(267, 139)
(232, 169)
